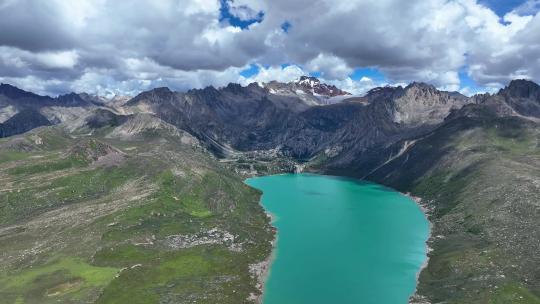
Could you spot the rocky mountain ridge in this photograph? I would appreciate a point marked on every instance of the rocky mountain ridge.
(252, 118)
(255, 118)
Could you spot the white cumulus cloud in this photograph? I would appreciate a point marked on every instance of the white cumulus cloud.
(125, 45)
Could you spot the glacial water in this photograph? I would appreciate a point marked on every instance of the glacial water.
(341, 240)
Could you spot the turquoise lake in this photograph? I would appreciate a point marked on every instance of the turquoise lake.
(341, 240)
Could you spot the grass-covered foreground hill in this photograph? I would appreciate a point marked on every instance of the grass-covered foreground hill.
(154, 219)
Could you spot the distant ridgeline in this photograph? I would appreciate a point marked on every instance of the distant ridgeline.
(474, 162)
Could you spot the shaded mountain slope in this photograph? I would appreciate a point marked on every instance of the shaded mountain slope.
(252, 118)
(479, 175)
(23, 121)
(519, 98)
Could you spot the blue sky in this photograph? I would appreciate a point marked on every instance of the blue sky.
(501, 7)
(233, 19)
(251, 71)
(371, 73)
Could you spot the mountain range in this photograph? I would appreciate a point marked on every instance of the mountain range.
(473, 162)
(275, 116)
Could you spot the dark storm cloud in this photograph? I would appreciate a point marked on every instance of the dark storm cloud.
(33, 25)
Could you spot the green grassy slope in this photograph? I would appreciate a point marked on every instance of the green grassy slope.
(90, 219)
(480, 177)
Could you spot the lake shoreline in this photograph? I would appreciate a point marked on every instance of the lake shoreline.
(416, 298)
(262, 270)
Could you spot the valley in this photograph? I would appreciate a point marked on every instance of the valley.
(147, 193)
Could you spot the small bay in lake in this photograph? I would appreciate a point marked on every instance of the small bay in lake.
(341, 240)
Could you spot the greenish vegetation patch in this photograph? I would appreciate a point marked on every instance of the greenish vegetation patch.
(65, 278)
(81, 186)
(8, 156)
(511, 293)
(199, 274)
(47, 166)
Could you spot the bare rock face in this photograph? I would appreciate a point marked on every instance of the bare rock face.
(147, 101)
(522, 96)
(421, 103)
(136, 126)
(104, 118)
(522, 89)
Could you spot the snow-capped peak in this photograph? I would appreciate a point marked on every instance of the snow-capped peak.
(315, 87)
(307, 88)
(308, 81)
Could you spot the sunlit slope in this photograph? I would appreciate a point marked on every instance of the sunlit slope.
(86, 219)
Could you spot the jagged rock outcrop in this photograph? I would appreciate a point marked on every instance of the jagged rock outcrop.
(520, 98)
(421, 103)
(242, 117)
